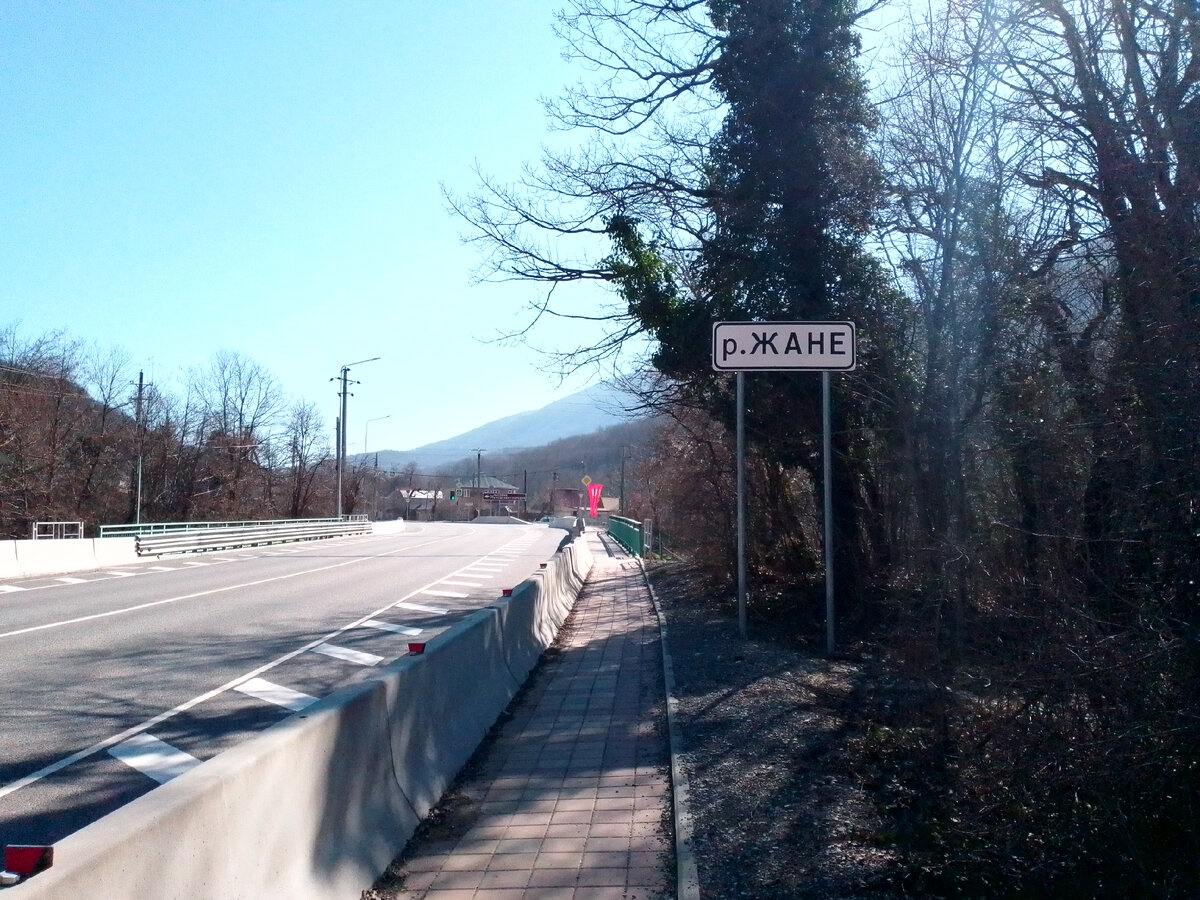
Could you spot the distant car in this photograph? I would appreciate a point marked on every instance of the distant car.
(544, 520)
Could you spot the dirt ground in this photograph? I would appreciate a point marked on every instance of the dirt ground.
(764, 727)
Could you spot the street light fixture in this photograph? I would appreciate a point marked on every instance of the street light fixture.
(341, 438)
(367, 429)
(375, 470)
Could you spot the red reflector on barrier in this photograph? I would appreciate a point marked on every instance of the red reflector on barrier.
(414, 647)
(507, 592)
(541, 565)
(28, 859)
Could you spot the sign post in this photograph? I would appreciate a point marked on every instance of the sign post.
(785, 347)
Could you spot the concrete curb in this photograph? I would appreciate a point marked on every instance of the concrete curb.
(687, 878)
(319, 804)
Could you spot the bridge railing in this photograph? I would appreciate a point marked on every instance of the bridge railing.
(227, 536)
(628, 533)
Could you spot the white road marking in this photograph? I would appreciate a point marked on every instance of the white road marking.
(70, 580)
(195, 564)
(425, 609)
(162, 568)
(406, 630)
(457, 583)
(154, 758)
(276, 693)
(209, 593)
(121, 574)
(142, 727)
(455, 594)
(9, 588)
(348, 654)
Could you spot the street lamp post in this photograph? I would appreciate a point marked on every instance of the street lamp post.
(341, 441)
(367, 430)
(375, 474)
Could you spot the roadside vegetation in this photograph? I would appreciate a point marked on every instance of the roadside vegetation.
(1003, 198)
(224, 442)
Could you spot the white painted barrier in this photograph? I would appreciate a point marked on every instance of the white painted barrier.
(31, 559)
(317, 806)
(8, 559)
(114, 551)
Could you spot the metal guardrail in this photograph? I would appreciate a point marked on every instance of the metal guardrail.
(627, 533)
(164, 527)
(252, 534)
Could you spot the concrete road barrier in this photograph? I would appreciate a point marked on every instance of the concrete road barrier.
(114, 551)
(31, 559)
(318, 805)
(8, 559)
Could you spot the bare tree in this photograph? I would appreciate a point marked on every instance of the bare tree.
(240, 403)
(1110, 88)
(308, 450)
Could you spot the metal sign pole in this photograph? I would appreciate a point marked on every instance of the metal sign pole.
(785, 347)
(828, 463)
(741, 503)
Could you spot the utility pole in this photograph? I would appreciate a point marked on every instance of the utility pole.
(137, 425)
(341, 439)
(337, 460)
(478, 465)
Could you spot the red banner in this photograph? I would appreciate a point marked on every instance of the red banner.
(594, 497)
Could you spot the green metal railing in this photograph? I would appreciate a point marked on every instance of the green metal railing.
(627, 533)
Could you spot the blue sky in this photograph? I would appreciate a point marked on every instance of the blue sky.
(178, 178)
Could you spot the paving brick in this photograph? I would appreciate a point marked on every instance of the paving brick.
(573, 792)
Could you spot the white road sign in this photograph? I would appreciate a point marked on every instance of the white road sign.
(783, 346)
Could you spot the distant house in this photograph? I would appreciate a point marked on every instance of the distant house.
(567, 500)
(419, 505)
(489, 494)
(476, 488)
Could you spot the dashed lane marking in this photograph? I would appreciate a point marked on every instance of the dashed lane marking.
(435, 610)
(153, 721)
(406, 630)
(10, 588)
(349, 655)
(71, 580)
(276, 694)
(458, 583)
(454, 594)
(154, 758)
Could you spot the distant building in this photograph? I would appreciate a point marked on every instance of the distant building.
(567, 500)
(488, 495)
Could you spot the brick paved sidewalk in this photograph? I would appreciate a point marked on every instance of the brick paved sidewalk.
(571, 799)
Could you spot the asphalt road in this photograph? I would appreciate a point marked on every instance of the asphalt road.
(116, 680)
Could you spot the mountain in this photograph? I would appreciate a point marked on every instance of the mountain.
(584, 412)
